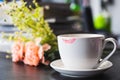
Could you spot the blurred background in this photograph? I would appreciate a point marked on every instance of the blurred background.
(77, 16)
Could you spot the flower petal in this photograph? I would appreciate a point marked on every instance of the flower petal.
(31, 54)
(17, 51)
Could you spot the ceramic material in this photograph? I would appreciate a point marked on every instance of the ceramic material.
(59, 67)
(83, 51)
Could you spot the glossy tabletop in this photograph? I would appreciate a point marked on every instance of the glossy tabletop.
(19, 71)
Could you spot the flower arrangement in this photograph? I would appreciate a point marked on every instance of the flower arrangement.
(39, 44)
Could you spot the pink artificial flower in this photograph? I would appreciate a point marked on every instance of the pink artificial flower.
(37, 41)
(17, 51)
(41, 53)
(46, 47)
(31, 54)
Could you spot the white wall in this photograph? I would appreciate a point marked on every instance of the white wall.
(95, 5)
(115, 14)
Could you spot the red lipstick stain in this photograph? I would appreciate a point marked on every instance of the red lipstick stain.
(69, 41)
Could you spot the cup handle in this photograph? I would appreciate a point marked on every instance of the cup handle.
(111, 53)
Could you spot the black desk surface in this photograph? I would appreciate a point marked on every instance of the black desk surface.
(19, 71)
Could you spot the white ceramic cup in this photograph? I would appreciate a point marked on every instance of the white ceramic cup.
(83, 51)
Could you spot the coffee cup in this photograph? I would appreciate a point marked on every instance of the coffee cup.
(83, 51)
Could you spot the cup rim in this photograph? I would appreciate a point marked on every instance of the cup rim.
(81, 35)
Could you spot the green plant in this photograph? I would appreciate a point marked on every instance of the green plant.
(31, 21)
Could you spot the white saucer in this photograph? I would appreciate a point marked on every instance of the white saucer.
(59, 67)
